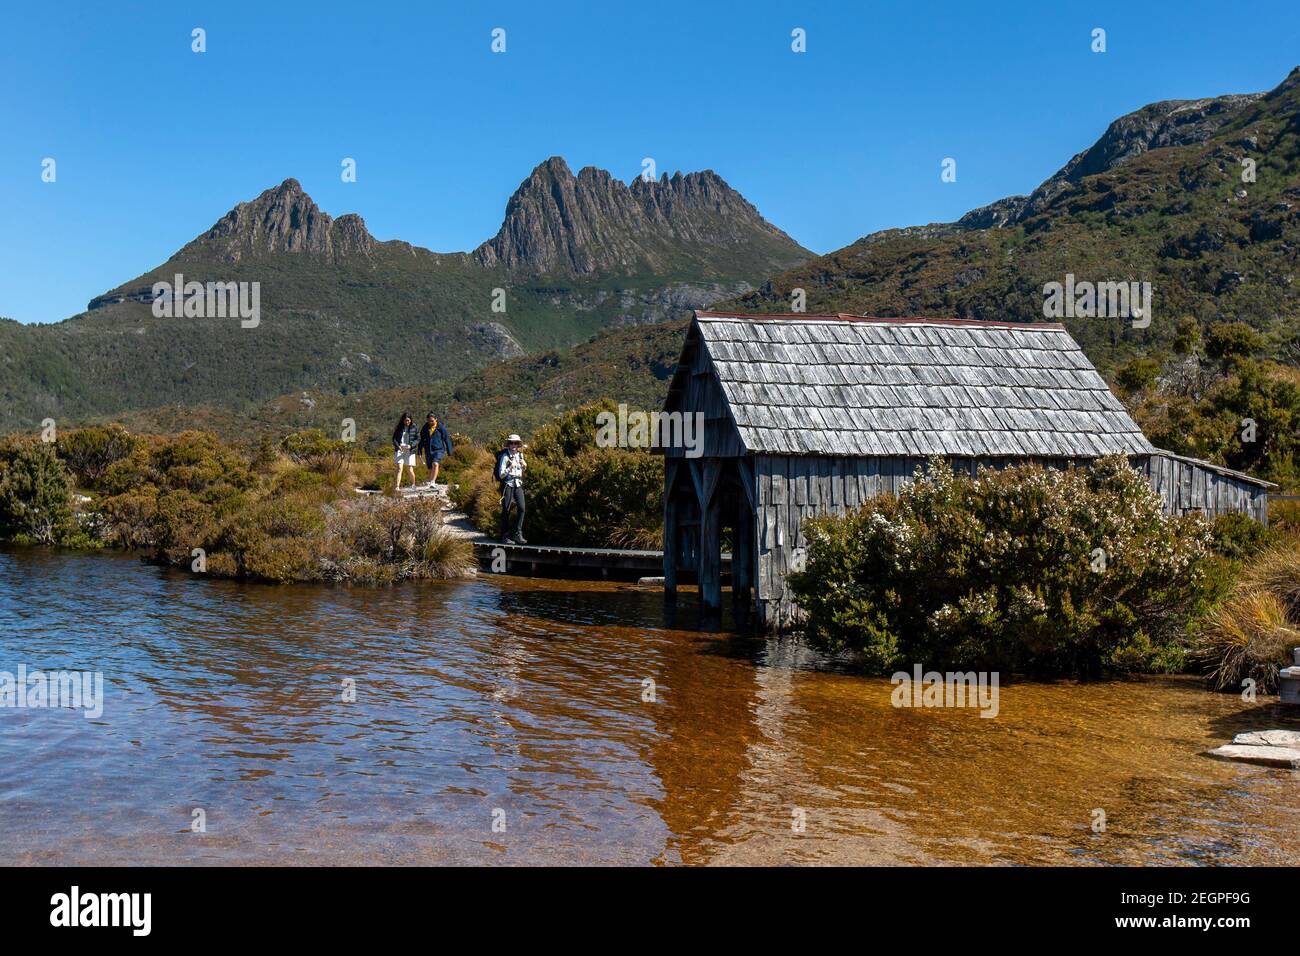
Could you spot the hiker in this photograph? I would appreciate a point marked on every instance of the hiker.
(436, 444)
(406, 438)
(510, 473)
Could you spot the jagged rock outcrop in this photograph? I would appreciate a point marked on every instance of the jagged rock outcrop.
(557, 223)
(343, 312)
(284, 219)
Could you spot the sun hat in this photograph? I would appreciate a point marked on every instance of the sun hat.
(514, 438)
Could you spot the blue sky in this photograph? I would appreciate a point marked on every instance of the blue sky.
(154, 142)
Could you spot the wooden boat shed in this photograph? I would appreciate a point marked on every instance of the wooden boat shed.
(808, 414)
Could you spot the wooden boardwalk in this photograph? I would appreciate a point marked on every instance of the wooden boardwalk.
(544, 560)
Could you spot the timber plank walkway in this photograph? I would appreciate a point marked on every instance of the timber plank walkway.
(541, 559)
(528, 559)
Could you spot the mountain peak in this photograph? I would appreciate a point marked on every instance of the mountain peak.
(554, 166)
(1154, 126)
(559, 223)
(285, 219)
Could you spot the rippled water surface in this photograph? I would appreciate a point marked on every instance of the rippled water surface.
(521, 701)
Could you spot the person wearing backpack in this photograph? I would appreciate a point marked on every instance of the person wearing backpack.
(509, 473)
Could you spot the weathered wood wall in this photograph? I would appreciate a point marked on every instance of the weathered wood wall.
(792, 489)
(1187, 486)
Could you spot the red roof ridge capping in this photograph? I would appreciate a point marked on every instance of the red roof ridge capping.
(897, 320)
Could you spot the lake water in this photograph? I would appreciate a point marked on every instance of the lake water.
(520, 702)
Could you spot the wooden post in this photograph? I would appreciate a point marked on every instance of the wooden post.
(742, 556)
(671, 547)
(711, 560)
(710, 541)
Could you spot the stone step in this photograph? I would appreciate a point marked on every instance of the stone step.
(420, 491)
(1267, 756)
(1269, 738)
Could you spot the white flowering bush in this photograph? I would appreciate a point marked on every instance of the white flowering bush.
(1028, 569)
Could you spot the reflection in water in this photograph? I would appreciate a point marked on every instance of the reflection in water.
(523, 698)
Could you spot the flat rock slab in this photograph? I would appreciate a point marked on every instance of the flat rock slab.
(1269, 738)
(1267, 756)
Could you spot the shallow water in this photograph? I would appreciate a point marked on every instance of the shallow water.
(520, 702)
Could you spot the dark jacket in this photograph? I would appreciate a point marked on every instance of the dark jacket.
(407, 436)
(438, 441)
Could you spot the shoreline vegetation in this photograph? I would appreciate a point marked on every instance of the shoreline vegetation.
(1050, 572)
(1027, 570)
(277, 513)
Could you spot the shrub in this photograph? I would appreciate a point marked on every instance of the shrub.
(367, 571)
(1138, 375)
(128, 520)
(289, 517)
(1211, 425)
(360, 531)
(35, 494)
(1229, 342)
(222, 565)
(89, 452)
(1239, 536)
(1248, 637)
(335, 471)
(181, 523)
(1027, 569)
(281, 560)
(305, 446)
(196, 461)
(134, 473)
(266, 456)
(297, 479)
(379, 540)
(1277, 570)
(445, 555)
(424, 520)
(600, 497)
(1251, 634)
(1284, 517)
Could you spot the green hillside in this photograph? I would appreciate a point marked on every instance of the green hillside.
(342, 312)
(632, 365)
(1179, 216)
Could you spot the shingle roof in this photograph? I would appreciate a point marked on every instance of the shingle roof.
(851, 385)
